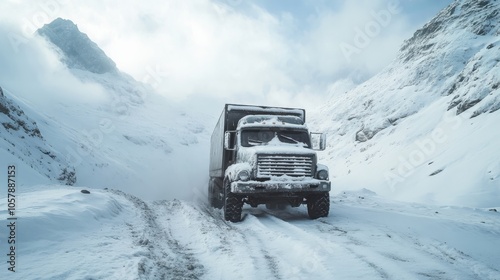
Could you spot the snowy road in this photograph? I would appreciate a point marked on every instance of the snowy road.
(364, 237)
(64, 234)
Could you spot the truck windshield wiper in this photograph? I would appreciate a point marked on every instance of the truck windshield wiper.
(290, 138)
(255, 141)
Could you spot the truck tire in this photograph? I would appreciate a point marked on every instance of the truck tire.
(318, 205)
(232, 205)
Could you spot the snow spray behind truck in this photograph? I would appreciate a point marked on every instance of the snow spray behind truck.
(266, 155)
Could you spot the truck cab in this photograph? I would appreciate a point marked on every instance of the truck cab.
(266, 155)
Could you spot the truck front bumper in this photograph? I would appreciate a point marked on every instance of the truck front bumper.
(253, 187)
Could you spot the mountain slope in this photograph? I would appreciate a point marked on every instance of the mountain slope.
(21, 137)
(466, 37)
(424, 128)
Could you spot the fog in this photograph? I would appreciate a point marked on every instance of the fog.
(31, 69)
(239, 51)
(200, 55)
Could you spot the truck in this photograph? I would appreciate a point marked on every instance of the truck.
(266, 155)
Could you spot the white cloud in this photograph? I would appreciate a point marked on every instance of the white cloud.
(360, 35)
(31, 69)
(234, 50)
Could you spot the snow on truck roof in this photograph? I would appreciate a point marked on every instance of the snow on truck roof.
(271, 120)
(291, 111)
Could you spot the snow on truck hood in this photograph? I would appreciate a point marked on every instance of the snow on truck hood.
(279, 149)
(248, 154)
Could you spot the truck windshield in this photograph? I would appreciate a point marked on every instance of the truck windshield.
(251, 137)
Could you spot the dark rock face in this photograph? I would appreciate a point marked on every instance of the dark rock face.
(478, 17)
(454, 56)
(77, 49)
(15, 120)
(366, 134)
(21, 137)
(67, 176)
(474, 56)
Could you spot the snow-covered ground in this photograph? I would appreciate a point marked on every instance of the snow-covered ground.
(66, 234)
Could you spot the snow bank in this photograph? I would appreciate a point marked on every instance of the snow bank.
(65, 234)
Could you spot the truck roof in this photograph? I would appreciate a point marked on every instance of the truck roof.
(271, 120)
(268, 109)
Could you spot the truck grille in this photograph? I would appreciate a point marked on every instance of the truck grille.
(278, 165)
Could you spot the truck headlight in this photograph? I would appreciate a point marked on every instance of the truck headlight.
(322, 174)
(244, 175)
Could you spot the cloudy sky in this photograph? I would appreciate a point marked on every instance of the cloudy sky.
(281, 52)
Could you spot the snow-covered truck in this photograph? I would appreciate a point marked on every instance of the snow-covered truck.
(266, 155)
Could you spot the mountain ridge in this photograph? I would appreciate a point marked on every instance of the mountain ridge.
(435, 104)
(76, 48)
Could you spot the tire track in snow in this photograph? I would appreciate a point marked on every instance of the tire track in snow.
(382, 252)
(239, 252)
(259, 254)
(291, 258)
(378, 247)
(287, 245)
(165, 258)
(305, 234)
(464, 266)
(421, 255)
(366, 252)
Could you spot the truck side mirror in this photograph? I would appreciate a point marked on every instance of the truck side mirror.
(318, 141)
(229, 140)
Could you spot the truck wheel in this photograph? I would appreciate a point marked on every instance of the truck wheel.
(318, 205)
(232, 205)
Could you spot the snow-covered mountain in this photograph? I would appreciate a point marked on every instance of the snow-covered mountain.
(105, 129)
(21, 139)
(77, 50)
(426, 128)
